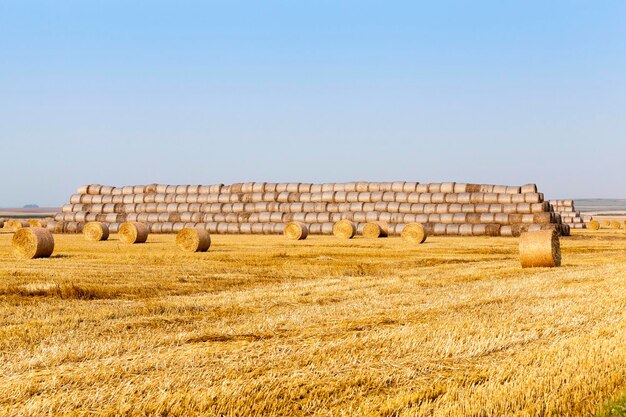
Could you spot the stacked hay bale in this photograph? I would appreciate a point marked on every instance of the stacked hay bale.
(569, 215)
(445, 209)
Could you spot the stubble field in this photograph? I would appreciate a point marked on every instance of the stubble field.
(264, 326)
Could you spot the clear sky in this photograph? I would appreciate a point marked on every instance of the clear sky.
(133, 92)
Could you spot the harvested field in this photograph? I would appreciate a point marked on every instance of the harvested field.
(266, 326)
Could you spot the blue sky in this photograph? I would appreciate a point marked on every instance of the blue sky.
(201, 92)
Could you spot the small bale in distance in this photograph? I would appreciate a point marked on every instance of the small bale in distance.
(616, 225)
(593, 225)
(193, 239)
(414, 233)
(540, 249)
(15, 224)
(133, 233)
(344, 229)
(96, 231)
(375, 230)
(34, 222)
(33, 242)
(606, 224)
(296, 231)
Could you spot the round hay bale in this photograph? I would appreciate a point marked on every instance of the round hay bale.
(133, 233)
(193, 239)
(375, 230)
(414, 233)
(606, 224)
(15, 224)
(529, 189)
(540, 249)
(466, 229)
(34, 223)
(473, 188)
(296, 231)
(96, 231)
(616, 225)
(447, 187)
(33, 242)
(344, 229)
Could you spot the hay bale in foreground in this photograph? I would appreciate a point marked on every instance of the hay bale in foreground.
(296, 231)
(344, 229)
(133, 233)
(541, 249)
(414, 233)
(33, 242)
(375, 230)
(193, 239)
(96, 231)
(616, 225)
(593, 225)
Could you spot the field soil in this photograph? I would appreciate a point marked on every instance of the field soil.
(264, 326)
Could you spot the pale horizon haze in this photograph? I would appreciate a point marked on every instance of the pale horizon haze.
(218, 92)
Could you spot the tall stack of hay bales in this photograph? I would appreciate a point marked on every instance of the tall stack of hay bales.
(569, 215)
(445, 209)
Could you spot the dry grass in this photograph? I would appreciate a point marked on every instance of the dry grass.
(265, 326)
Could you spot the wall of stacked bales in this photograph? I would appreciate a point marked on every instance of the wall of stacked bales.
(445, 209)
(569, 215)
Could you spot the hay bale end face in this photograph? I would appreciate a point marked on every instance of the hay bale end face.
(296, 231)
(193, 239)
(96, 231)
(541, 249)
(414, 233)
(344, 229)
(616, 225)
(133, 233)
(593, 225)
(606, 224)
(375, 230)
(33, 242)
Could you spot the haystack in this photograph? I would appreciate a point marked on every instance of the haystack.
(133, 233)
(375, 230)
(344, 229)
(296, 231)
(33, 242)
(414, 233)
(96, 231)
(541, 249)
(193, 239)
(593, 225)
